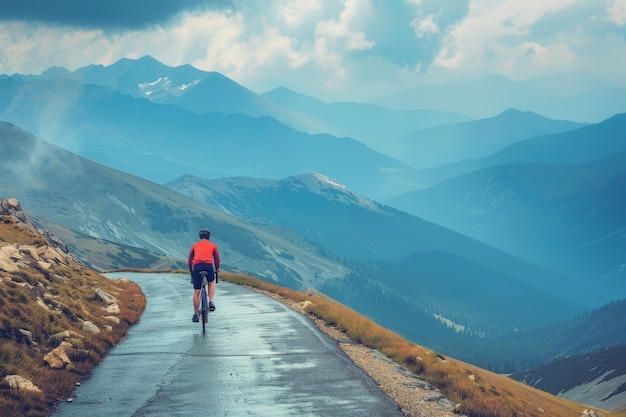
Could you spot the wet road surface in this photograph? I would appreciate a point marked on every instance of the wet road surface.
(258, 358)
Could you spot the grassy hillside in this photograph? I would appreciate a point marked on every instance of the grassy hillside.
(104, 255)
(46, 296)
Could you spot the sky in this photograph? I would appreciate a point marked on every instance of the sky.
(334, 50)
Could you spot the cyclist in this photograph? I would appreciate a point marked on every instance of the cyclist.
(203, 256)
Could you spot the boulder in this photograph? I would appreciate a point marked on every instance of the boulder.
(12, 207)
(18, 382)
(112, 309)
(57, 358)
(27, 336)
(591, 413)
(64, 335)
(90, 327)
(9, 254)
(105, 296)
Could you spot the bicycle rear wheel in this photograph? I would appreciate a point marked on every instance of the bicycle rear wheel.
(204, 307)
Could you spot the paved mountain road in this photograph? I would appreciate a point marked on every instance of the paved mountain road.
(259, 358)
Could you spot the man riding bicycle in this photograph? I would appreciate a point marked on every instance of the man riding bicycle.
(203, 256)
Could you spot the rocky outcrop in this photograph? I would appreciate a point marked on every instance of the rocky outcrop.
(54, 250)
(43, 255)
(63, 315)
(12, 256)
(12, 207)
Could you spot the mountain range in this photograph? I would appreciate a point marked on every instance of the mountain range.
(161, 142)
(137, 115)
(555, 200)
(442, 145)
(516, 231)
(368, 123)
(563, 97)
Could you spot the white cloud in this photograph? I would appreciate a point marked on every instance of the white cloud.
(347, 26)
(425, 26)
(295, 12)
(498, 37)
(32, 49)
(617, 12)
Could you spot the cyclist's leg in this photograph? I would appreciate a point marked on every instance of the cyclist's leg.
(211, 290)
(196, 300)
(211, 294)
(197, 284)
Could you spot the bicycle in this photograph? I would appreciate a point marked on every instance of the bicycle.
(204, 301)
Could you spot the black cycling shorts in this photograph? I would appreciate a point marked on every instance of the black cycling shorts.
(197, 278)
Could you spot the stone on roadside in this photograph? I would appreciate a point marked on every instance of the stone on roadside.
(19, 382)
(90, 327)
(57, 358)
(105, 296)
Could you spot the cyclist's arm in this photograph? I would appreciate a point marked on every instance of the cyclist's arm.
(190, 259)
(216, 257)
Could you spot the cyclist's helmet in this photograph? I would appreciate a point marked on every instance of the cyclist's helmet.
(204, 233)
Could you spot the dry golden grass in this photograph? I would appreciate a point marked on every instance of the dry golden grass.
(45, 302)
(479, 393)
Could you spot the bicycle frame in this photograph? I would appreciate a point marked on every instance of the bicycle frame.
(204, 302)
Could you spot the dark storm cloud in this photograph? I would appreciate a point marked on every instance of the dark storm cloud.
(106, 14)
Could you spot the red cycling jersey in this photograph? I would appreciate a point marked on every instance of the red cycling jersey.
(204, 252)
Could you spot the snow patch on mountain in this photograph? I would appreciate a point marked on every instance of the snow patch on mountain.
(119, 203)
(609, 390)
(160, 84)
(595, 378)
(321, 184)
(166, 85)
(456, 326)
(329, 181)
(191, 84)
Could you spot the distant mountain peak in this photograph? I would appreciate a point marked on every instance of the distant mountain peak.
(321, 184)
(323, 180)
(516, 114)
(514, 111)
(148, 58)
(284, 96)
(56, 72)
